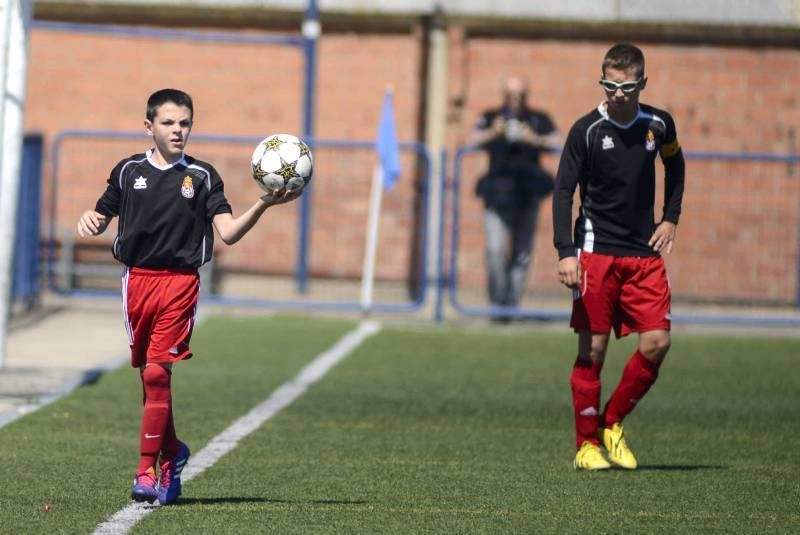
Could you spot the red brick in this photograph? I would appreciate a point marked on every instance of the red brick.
(738, 237)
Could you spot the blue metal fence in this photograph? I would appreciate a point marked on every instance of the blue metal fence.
(306, 43)
(418, 149)
(26, 266)
(449, 282)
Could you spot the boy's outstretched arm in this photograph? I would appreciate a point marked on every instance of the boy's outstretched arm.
(92, 223)
(231, 229)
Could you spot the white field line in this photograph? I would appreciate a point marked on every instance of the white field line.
(124, 519)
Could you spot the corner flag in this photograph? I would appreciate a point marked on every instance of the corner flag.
(386, 143)
(386, 172)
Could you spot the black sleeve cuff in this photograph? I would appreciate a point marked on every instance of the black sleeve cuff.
(565, 252)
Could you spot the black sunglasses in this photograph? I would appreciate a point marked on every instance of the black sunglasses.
(627, 87)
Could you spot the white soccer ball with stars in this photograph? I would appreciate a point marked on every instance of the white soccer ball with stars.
(282, 161)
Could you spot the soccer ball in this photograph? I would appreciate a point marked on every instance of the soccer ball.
(282, 161)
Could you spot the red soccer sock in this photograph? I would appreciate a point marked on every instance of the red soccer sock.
(637, 378)
(170, 447)
(155, 417)
(585, 381)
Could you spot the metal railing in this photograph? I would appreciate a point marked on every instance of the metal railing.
(306, 43)
(61, 267)
(449, 282)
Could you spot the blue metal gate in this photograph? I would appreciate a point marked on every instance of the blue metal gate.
(450, 282)
(59, 270)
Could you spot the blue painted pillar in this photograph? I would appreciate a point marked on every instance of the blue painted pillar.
(311, 32)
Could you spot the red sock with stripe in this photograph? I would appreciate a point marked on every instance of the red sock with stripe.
(155, 417)
(585, 381)
(637, 378)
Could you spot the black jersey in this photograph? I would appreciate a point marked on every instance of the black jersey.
(164, 213)
(507, 154)
(614, 164)
(514, 178)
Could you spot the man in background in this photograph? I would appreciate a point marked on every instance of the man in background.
(513, 135)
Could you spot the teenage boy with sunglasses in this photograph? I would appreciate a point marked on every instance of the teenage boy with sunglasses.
(169, 205)
(613, 261)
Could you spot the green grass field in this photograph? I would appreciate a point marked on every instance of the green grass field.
(452, 430)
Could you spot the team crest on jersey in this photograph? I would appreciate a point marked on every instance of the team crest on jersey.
(608, 143)
(650, 141)
(187, 189)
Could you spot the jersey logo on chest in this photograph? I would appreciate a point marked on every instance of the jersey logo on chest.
(608, 143)
(187, 189)
(650, 141)
(140, 183)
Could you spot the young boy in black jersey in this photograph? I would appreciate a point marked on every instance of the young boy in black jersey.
(613, 262)
(169, 205)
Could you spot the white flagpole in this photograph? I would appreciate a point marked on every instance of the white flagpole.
(16, 17)
(5, 38)
(368, 271)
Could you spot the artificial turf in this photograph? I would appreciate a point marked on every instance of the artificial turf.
(450, 430)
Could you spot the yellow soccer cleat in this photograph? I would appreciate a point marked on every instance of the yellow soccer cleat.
(589, 457)
(618, 451)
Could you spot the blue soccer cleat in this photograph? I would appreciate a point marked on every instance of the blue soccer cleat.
(145, 486)
(169, 488)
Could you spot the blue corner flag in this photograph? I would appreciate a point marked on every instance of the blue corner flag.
(386, 144)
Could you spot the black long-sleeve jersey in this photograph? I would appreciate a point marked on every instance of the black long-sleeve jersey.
(614, 164)
(506, 155)
(165, 213)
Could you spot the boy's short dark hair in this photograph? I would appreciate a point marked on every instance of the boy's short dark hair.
(624, 56)
(162, 96)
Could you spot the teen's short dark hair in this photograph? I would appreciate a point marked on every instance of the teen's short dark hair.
(624, 56)
(162, 96)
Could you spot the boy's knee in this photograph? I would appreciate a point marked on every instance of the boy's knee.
(155, 375)
(593, 347)
(597, 352)
(654, 345)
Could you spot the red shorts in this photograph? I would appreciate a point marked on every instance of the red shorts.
(628, 293)
(159, 308)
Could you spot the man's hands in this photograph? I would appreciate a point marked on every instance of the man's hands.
(569, 271)
(92, 223)
(662, 239)
(484, 135)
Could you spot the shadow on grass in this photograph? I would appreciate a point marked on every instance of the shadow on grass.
(258, 499)
(682, 467)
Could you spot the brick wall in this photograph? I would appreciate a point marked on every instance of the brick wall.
(738, 238)
(88, 81)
